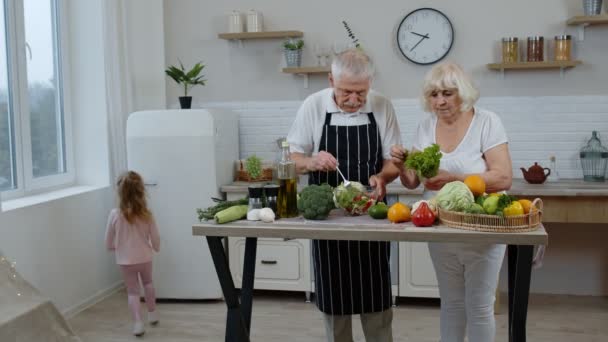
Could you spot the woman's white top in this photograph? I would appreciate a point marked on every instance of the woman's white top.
(485, 132)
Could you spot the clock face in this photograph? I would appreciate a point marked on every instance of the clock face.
(425, 36)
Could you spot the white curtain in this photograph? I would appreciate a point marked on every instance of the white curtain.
(119, 82)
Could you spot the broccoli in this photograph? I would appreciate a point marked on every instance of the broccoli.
(316, 201)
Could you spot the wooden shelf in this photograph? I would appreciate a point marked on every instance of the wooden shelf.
(261, 35)
(307, 70)
(534, 65)
(588, 20)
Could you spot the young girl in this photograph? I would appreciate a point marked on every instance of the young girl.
(133, 235)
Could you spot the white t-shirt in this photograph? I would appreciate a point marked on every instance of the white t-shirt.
(485, 132)
(305, 133)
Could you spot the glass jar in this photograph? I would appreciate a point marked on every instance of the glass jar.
(287, 205)
(510, 50)
(594, 158)
(536, 47)
(563, 47)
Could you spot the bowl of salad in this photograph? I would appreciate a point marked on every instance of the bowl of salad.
(355, 198)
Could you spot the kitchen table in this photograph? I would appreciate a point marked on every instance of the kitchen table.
(520, 248)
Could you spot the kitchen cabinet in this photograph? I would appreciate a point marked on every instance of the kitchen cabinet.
(280, 265)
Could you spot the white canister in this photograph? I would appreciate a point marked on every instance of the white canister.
(235, 23)
(254, 21)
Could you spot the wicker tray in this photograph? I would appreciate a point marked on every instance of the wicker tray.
(493, 223)
(241, 173)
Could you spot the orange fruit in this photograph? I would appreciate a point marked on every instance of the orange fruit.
(476, 184)
(527, 205)
(399, 212)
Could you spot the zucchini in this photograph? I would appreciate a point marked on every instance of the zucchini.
(233, 213)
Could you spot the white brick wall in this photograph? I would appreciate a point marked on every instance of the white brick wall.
(537, 126)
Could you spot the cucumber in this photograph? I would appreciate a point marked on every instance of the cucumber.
(234, 213)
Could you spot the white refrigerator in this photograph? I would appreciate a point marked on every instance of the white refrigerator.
(184, 157)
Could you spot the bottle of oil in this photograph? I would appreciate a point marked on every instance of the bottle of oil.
(287, 205)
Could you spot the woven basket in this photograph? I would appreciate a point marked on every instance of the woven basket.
(493, 223)
(244, 176)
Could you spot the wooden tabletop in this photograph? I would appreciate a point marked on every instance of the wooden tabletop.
(340, 227)
(520, 188)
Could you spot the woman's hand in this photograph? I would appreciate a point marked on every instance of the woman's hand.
(398, 155)
(323, 161)
(436, 183)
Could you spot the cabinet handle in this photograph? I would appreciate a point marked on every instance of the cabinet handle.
(269, 262)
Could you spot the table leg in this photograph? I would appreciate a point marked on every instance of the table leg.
(236, 330)
(520, 272)
(248, 279)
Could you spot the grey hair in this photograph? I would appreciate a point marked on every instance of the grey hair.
(354, 63)
(449, 75)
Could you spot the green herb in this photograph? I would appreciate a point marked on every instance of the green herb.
(253, 164)
(293, 44)
(209, 213)
(504, 201)
(426, 162)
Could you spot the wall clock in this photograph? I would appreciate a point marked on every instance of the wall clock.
(425, 36)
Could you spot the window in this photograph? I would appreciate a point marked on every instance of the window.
(35, 151)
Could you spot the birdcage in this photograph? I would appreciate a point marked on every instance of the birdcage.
(594, 158)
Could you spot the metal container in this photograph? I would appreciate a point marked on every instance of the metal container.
(235, 23)
(592, 7)
(255, 21)
(594, 158)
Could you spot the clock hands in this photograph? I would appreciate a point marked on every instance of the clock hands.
(421, 35)
(426, 36)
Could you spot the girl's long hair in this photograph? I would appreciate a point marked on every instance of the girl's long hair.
(132, 197)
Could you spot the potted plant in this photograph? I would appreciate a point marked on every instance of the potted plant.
(188, 78)
(293, 52)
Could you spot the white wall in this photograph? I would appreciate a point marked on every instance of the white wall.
(252, 72)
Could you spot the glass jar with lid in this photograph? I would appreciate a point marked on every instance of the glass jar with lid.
(594, 158)
(562, 48)
(536, 47)
(510, 50)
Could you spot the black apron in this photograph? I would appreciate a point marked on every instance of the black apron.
(351, 277)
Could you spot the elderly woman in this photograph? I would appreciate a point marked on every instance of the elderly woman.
(472, 141)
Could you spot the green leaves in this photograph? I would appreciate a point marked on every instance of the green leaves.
(426, 163)
(187, 78)
(293, 44)
(253, 164)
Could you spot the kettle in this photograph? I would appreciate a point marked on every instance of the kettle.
(536, 174)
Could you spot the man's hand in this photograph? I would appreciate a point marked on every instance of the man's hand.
(323, 161)
(379, 186)
(436, 183)
(398, 154)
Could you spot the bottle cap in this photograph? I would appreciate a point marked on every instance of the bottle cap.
(255, 191)
(271, 190)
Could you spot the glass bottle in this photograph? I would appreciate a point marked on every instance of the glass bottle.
(554, 175)
(594, 157)
(510, 50)
(287, 201)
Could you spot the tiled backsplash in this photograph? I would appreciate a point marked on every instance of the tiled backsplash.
(537, 126)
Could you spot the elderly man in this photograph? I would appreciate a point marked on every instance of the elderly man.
(352, 128)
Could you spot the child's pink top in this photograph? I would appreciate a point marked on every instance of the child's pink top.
(133, 243)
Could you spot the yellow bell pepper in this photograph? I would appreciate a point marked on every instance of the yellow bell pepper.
(514, 209)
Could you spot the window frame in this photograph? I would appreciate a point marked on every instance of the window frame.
(26, 183)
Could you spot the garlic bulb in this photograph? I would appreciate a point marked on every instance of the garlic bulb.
(267, 215)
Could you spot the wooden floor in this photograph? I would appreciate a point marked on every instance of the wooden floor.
(281, 316)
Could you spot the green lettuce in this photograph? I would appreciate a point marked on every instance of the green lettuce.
(425, 162)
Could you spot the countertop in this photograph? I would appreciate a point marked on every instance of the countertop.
(561, 188)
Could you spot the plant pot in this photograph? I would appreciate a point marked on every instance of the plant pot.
(185, 102)
(293, 58)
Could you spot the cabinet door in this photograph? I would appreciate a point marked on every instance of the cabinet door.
(280, 265)
(416, 273)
